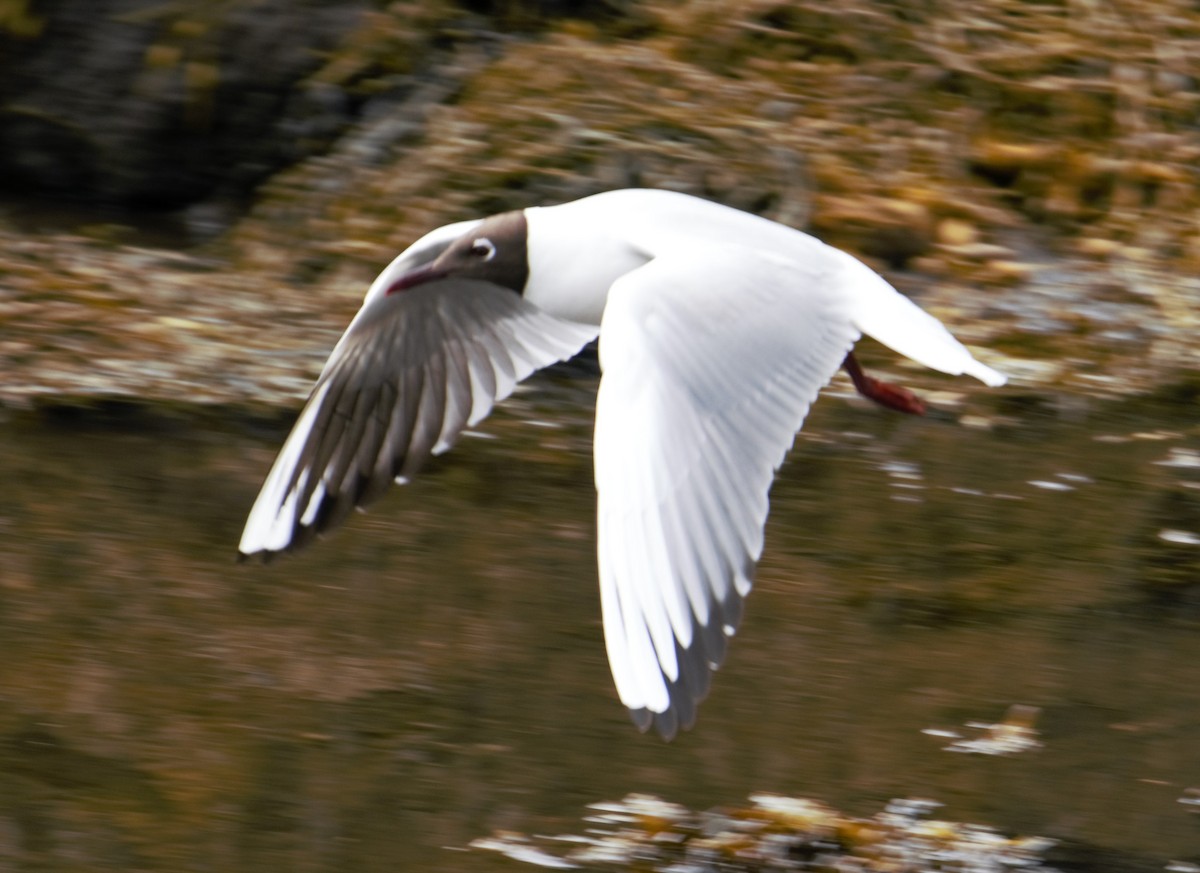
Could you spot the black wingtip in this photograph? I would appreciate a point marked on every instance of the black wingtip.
(642, 718)
(666, 724)
(261, 557)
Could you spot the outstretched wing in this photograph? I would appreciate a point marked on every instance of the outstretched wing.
(711, 359)
(411, 371)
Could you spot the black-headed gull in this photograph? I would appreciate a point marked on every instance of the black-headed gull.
(717, 329)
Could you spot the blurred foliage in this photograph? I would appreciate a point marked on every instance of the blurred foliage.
(898, 128)
(1034, 164)
(17, 20)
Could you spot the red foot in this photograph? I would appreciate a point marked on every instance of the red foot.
(884, 393)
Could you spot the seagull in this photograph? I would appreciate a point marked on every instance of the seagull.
(717, 328)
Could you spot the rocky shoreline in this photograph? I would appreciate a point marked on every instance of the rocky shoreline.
(1028, 182)
(83, 321)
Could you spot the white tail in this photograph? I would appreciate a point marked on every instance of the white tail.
(882, 312)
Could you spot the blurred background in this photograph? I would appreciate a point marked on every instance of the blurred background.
(193, 199)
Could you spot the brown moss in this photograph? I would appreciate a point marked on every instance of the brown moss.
(1036, 159)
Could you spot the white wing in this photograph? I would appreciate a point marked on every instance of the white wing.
(409, 373)
(711, 359)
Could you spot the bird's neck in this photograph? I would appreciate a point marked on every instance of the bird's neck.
(574, 257)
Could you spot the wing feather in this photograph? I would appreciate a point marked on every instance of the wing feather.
(711, 360)
(458, 394)
(409, 373)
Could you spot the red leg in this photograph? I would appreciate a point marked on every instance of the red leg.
(883, 393)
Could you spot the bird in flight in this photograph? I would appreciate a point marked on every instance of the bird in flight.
(717, 329)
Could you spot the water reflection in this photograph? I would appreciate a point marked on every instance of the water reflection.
(436, 670)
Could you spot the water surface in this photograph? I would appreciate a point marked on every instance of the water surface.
(435, 670)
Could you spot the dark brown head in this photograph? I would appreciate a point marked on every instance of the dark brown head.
(494, 251)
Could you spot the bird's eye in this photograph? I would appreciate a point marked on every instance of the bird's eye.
(483, 248)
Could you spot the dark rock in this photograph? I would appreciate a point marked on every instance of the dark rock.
(144, 103)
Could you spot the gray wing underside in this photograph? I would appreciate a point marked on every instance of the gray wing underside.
(711, 361)
(412, 371)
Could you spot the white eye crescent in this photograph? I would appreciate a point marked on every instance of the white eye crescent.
(483, 248)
